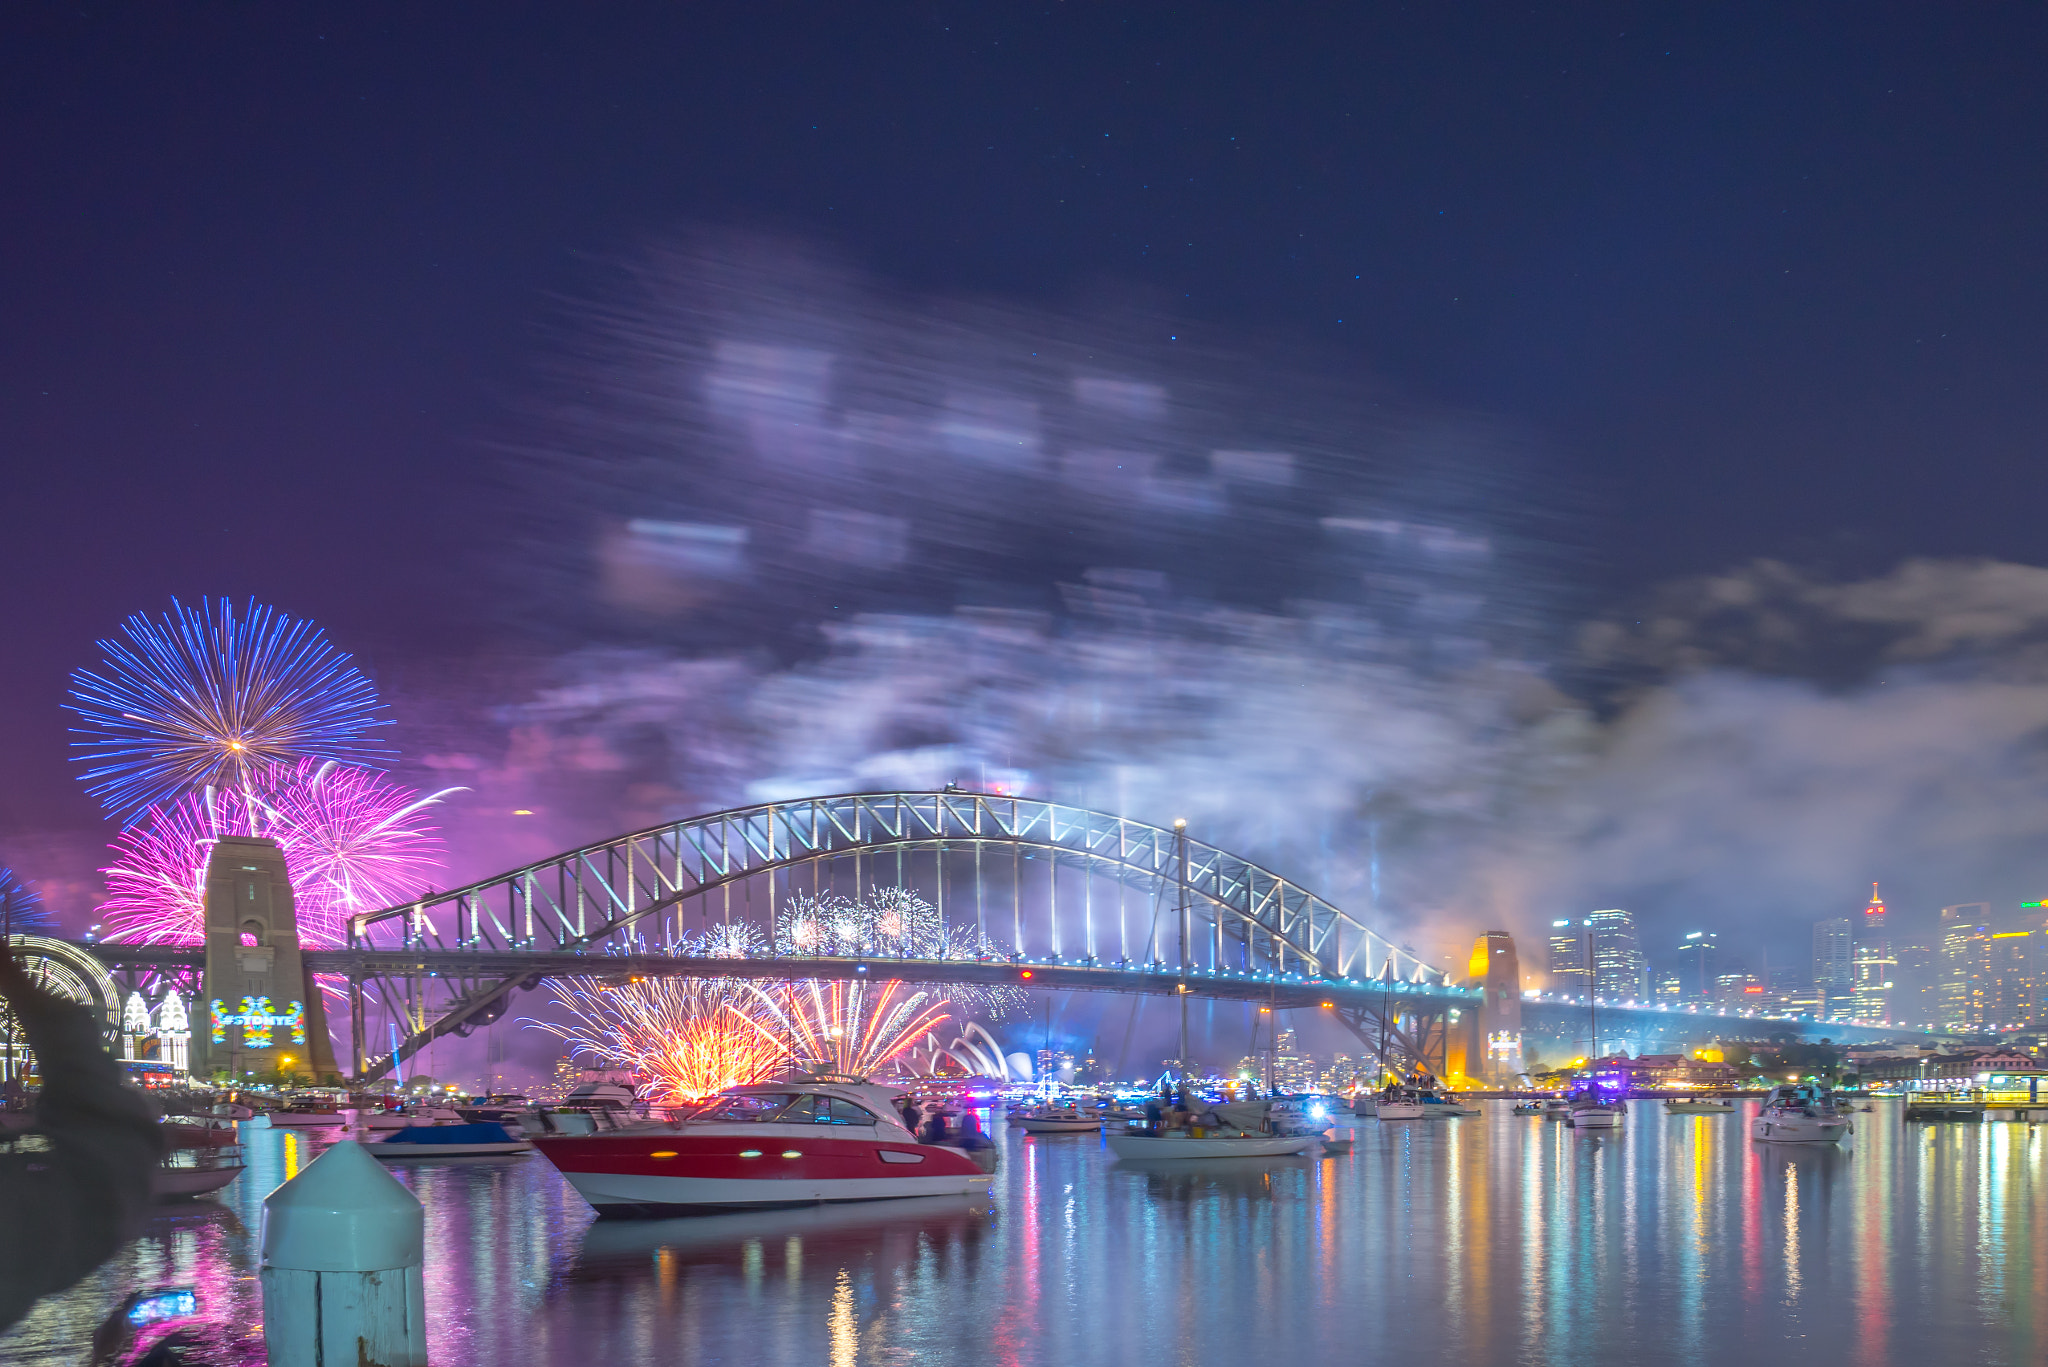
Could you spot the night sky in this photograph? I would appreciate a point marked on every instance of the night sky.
(275, 281)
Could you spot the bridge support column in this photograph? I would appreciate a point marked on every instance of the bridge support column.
(355, 1026)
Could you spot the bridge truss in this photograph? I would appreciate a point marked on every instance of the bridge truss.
(1102, 892)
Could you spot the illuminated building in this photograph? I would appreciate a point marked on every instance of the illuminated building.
(1571, 957)
(1738, 992)
(2012, 994)
(1874, 965)
(1965, 965)
(1916, 999)
(1618, 966)
(1834, 959)
(1699, 964)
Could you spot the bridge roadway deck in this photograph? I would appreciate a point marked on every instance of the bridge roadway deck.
(1286, 993)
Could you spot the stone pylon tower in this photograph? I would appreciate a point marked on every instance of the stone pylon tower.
(1493, 1046)
(259, 1006)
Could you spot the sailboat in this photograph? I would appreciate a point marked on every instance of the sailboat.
(1591, 1109)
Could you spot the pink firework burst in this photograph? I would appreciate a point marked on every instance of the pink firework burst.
(353, 841)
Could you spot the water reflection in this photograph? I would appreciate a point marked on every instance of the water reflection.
(1490, 1239)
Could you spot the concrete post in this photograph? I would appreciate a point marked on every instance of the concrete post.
(343, 1245)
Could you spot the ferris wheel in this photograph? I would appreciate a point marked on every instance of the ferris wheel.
(72, 973)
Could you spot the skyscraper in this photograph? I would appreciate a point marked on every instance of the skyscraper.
(1834, 962)
(1965, 965)
(1618, 965)
(1699, 965)
(1571, 957)
(1874, 965)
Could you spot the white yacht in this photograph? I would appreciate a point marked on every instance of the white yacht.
(1800, 1115)
(1062, 1120)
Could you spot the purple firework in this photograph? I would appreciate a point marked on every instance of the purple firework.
(353, 841)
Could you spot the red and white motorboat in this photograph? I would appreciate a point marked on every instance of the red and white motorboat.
(827, 1137)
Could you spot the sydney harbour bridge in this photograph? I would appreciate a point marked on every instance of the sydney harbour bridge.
(1076, 900)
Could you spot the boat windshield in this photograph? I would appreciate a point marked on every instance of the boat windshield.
(754, 1106)
(825, 1110)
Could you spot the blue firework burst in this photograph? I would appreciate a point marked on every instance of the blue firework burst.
(21, 906)
(210, 696)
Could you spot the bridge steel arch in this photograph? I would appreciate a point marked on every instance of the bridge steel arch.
(1241, 921)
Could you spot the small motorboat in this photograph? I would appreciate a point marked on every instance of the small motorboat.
(1400, 1103)
(1338, 1145)
(197, 1132)
(1557, 1109)
(307, 1111)
(194, 1172)
(1062, 1120)
(1528, 1108)
(1804, 1114)
(447, 1141)
(1177, 1144)
(1698, 1105)
(411, 1117)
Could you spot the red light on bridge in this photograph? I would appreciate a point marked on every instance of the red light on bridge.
(1025, 974)
(1328, 1005)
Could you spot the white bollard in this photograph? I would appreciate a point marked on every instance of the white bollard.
(343, 1244)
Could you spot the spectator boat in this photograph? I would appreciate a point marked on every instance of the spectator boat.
(483, 1138)
(1061, 1120)
(1800, 1115)
(827, 1137)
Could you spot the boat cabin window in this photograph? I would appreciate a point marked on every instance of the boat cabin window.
(833, 1110)
(761, 1106)
(825, 1110)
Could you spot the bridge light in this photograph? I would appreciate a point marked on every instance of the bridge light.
(1025, 974)
(1328, 1005)
(1180, 823)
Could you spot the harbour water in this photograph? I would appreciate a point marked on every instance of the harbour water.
(1491, 1239)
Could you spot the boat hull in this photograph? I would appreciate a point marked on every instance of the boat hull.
(1594, 1120)
(665, 1172)
(1772, 1129)
(1401, 1110)
(1157, 1147)
(303, 1119)
(176, 1184)
(378, 1149)
(1060, 1126)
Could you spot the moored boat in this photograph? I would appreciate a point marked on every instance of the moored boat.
(483, 1138)
(1800, 1115)
(411, 1117)
(191, 1173)
(1178, 1144)
(1061, 1120)
(1593, 1109)
(1698, 1105)
(827, 1137)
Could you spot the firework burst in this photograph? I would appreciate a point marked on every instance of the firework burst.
(352, 839)
(682, 1038)
(209, 697)
(890, 923)
(21, 906)
(858, 1027)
